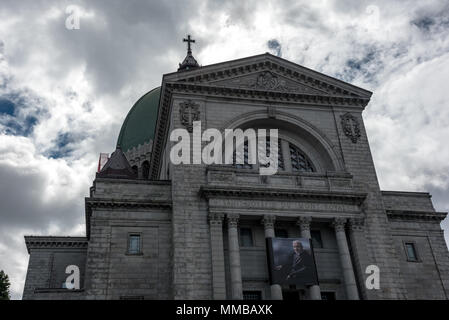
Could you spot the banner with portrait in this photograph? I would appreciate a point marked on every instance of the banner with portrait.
(291, 261)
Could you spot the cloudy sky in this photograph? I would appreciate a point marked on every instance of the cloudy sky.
(64, 93)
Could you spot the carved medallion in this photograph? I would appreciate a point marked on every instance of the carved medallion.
(268, 81)
(350, 126)
(189, 112)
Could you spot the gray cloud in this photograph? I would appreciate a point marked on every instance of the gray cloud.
(27, 207)
(275, 47)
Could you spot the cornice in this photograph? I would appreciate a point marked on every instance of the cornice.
(132, 181)
(269, 95)
(112, 203)
(416, 215)
(161, 131)
(406, 193)
(43, 242)
(264, 193)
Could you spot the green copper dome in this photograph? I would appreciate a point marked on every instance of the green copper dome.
(139, 125)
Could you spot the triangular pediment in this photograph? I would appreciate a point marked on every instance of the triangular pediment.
(267, 80)
(269, 73)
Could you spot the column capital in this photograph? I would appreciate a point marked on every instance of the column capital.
(268, 221)
(339, 224)
(304, 223)
(233, 219)
(215, 218)
(357, 224)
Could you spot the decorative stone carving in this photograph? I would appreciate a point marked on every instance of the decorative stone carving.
(350, 127)
(280, 204)
(356, 224)
(233, 220)
(189, 112)
(268, 81)
(339, 224)
(268, 221)
(271, 111)
(215, 219)
(304, 223)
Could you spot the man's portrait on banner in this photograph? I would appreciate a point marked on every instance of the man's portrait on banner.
(292, 261)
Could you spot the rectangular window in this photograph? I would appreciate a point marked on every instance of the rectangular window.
(410, 249)
(317, 242)
(134, 246)
(280, 233)
(246, 237)
(252, 295)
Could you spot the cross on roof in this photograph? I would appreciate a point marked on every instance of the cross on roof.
(188, 40)
(189, 61)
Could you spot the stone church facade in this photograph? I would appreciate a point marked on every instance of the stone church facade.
(155, 230)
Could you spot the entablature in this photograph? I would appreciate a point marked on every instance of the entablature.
(45, 242)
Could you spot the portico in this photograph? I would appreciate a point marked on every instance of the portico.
(251, 208)
(236, 287)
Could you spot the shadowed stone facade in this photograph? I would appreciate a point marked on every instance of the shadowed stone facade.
(174, 231)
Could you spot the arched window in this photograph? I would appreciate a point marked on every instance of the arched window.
(280, 156)
(245, 164)
(135, 169)
(299, 160)
(145, 169)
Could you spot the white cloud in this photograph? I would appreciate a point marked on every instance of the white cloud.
(408, 117)
(31, 191)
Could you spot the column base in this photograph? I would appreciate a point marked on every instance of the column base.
(315, 292)
(276, 292)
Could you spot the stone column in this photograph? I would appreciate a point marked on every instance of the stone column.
(268, 223)
(345, 259)
(304, 227)
(360, 255)
(234, 257)
(218, 267)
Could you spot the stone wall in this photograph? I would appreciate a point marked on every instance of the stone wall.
(428, 277)
(117, 209)
(49, 258)
(399, 200)
(413, 220)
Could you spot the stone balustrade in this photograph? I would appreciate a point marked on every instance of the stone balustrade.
(330, 181)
